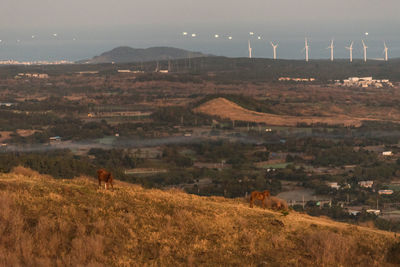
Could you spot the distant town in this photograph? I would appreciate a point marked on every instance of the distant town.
(28, 63)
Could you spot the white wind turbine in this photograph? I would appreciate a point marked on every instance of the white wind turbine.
(350, 48)
(274, 47)
(331, 48)
(386, 51)
(306, 47)
(365, 50)
(250, 49)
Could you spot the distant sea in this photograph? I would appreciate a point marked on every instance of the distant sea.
(71, 46)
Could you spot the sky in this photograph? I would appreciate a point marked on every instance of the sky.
(88, 27)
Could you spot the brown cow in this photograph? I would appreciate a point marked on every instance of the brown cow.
(106, 177)
(262, 196)
(277, 204)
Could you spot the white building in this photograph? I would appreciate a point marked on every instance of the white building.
(33, 75)
(333, 185)
(55, 138)
(365, 82)
(376, 212)
(124, 71)
(366, 184)
(387, 153)
(354, 212)
(385, 192)
(87, 72)
(296, 79)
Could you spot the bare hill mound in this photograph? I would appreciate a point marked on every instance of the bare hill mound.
(49, 222)
(224, 108)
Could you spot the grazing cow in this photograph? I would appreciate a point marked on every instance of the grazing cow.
(106, 177)
(262, 196)
(278, 204)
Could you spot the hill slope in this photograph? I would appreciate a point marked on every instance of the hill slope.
(226, 109)
(126, 54)
(44, 222)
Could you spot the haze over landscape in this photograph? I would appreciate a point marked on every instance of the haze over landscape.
(85, 29)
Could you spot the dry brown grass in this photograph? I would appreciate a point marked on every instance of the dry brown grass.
(26, 133)
(21, 170)
(48, 222)
(226, 109)
(4, 135)
(328, 248)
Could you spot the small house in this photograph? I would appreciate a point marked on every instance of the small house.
(385, 192)
(354, 212)
(373, 211)
(366, 184)
(55, 139)
(387, 153)
(334, 185)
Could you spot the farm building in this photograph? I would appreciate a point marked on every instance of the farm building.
(334, 185)
(385, 192)
(55, 138)
(365, 82)
(366, 184)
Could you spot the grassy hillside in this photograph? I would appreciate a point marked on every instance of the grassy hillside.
(224, 108)
(44, 221)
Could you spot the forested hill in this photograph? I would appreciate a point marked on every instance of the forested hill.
(125, 54)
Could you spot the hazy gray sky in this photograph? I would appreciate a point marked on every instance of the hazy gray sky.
(88, 27)
(91, 13)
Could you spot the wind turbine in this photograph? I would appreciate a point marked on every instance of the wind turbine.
(331, 48)
(306, 47)
(386, 51)
(365, 51)
(249, 49)
(350, 48)
(274, 47)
